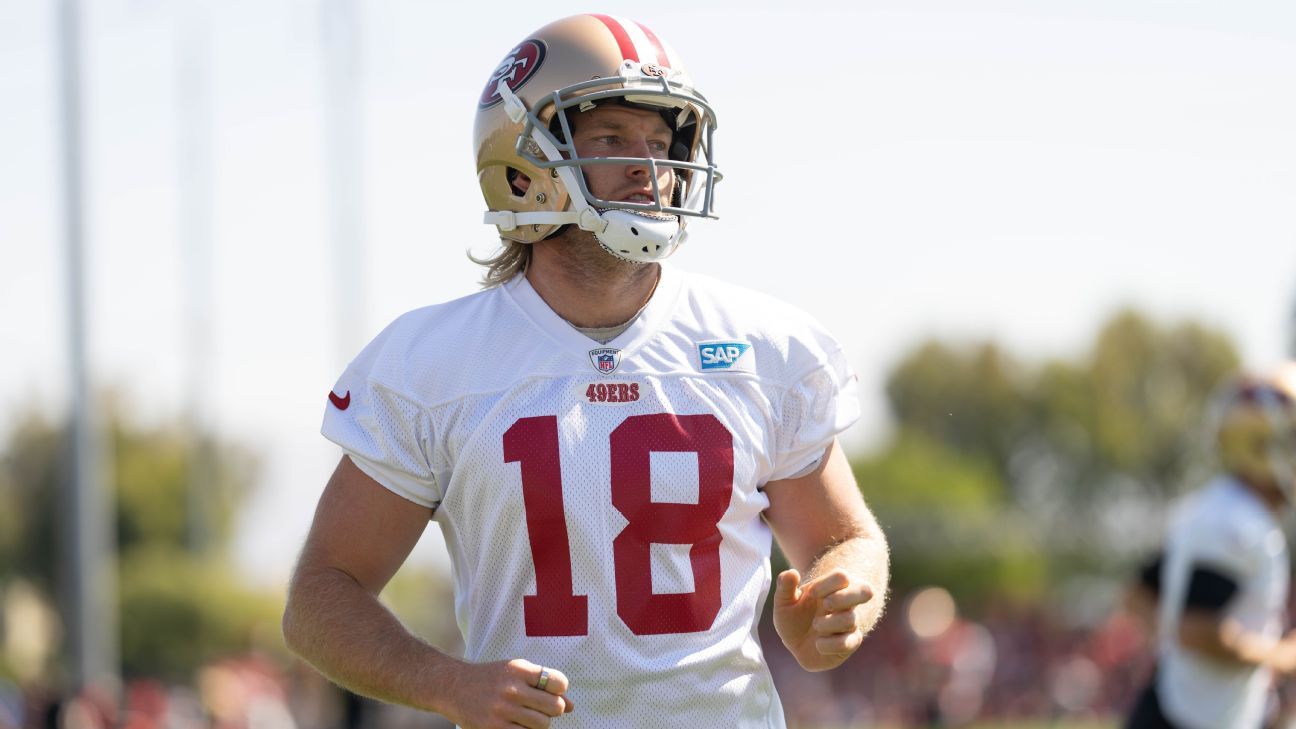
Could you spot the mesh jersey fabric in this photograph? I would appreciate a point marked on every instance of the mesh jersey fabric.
(601, 503)
(1224, 527)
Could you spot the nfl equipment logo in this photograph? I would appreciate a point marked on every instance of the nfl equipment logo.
(605, 359)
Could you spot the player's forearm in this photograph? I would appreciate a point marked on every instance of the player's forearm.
(865, 557)
(1256, 649)
(1227, 641)
(354, 640)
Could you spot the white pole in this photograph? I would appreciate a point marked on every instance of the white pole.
(194, 229)
(1291, 333)
(88, 580)
(344, 131)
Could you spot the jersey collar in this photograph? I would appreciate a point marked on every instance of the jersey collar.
(569, 338)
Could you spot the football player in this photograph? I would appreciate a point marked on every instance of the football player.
(1224, 572)
(607, 442)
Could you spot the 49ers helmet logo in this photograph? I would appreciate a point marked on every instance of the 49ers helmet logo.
(520, 64)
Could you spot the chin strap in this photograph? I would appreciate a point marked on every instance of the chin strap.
(623, 233)
(587, 219)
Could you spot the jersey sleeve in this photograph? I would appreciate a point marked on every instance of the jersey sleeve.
(1227, 548)
(387, 434)
(815, 409)
(1209, 589)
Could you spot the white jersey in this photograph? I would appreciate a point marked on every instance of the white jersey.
(1227, 528)
(601, 503)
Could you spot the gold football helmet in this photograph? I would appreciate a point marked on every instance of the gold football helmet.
(523, 127)
(1256, 431)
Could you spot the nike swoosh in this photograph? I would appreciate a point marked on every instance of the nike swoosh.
(343, 402)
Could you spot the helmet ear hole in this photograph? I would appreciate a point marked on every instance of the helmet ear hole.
(518, 182)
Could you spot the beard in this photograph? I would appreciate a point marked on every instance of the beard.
(585, 284)
(585, 259)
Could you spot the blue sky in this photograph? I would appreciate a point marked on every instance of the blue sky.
(900, 169)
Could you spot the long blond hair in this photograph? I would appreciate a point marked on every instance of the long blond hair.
(511, 260)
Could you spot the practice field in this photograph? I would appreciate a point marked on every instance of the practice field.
(1036, 724)
(1045, 724)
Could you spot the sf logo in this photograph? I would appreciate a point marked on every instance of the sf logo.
(520, 64)
(509, 67)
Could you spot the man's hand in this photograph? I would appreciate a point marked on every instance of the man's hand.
(1282, 657)
(819, 621)
(504, 694)
(827, 532)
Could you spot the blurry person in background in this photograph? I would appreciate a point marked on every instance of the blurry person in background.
(1224, 572)
(606, 442)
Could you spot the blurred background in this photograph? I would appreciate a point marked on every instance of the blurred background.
(1043, 231)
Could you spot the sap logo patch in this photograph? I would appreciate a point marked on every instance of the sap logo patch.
(723, 355)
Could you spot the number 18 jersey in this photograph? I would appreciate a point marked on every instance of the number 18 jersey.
(601, 503)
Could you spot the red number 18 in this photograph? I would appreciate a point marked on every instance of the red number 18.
(555, 609)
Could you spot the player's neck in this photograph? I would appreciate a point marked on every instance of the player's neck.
(587, 286)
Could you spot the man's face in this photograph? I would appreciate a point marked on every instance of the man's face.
(622, 131)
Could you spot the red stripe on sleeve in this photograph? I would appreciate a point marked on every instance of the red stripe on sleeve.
(622, 38)
(663, 60)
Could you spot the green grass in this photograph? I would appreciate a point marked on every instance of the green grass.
(1044, 724)
(1036, 724)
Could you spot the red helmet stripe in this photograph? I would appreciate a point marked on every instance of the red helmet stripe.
(662, 59)
(622, 37)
